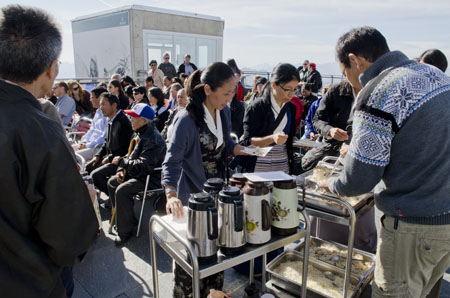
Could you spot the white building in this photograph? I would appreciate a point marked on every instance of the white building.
(125, 39)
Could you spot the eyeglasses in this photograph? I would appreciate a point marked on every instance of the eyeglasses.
(75, 88)
(166, 58)
(152, 64)
(287, 90)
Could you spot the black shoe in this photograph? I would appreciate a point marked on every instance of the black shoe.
(121, 240)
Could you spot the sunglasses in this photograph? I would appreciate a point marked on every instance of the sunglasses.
(75, 88)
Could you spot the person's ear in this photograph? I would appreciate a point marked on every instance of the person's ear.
(53, 70)
(207, 89)
(273, 84)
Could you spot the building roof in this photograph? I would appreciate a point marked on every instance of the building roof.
(147, 8)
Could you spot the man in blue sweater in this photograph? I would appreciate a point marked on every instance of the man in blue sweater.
(400, 147)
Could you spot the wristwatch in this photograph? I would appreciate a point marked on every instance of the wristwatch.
(169, 190)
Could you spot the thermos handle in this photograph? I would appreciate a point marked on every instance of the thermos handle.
(303, 198)
(213, 230)
(266, 215)
(238, 216)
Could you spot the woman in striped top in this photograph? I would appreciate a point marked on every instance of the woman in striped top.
(270, 121)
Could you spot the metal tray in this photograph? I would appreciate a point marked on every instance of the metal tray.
(294, 287)
(314, 241)
(321, 201)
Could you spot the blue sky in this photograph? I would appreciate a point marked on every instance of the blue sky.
(262, 33)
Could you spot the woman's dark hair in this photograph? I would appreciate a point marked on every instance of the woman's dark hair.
(129, 90)
(153, 61)
(232, 63)
(434, 57)
(117, 84)
(158, 94)
(129, 80)
(366, 42)
(261, 80)
(111, 99)
(142, 90)
(215, 75)
(176, 80)
(281, 74)
(184, 75)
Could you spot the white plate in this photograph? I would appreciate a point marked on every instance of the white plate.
(308, 144)
(257, 151)
(268, 176)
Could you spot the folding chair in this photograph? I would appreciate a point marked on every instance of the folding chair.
(146, 193)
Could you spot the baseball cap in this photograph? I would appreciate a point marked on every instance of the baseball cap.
(141, 110)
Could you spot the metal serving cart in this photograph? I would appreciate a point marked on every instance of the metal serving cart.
(184, 255)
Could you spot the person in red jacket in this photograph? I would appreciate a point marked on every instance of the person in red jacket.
(299, 113)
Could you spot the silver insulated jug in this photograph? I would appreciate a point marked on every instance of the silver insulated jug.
(202, 230)
(232, 232)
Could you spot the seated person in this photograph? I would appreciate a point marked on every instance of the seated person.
(97, 132)
(65, 104)
(146, 152)
(118, 134)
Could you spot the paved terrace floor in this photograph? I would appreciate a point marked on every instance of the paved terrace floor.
(108, 271)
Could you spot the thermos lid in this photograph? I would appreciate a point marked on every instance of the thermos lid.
(230, 194)
(201, 201)
(285, 184)
(213, 184)
(240, 177)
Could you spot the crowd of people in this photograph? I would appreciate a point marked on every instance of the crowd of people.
(185, 125)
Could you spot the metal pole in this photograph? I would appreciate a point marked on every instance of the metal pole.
(153, 260)
(351, 237)
(252, 271)
(142, 207)
(263, 277)
(306, 254)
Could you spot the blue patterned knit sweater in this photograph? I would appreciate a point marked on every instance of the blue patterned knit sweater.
(401, 141)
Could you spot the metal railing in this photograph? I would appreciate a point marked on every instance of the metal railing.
(246, 79)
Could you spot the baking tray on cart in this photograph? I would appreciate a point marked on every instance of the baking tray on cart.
(321, 199)
(323, 251)
(294, 287)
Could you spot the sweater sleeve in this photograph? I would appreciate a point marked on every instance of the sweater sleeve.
(179, 141)
(368, 155)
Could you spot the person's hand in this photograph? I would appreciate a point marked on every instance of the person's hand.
(116, 160)
(82, 146)
(338, 134)
(313, 136)
(94, 160)
(105, 161)
(344, 149)
(92, 192)
(174, 206)
(280, 138)
(120, 177)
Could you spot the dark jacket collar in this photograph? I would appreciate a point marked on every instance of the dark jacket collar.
(143, 129)
(390, 59)
(17, 92)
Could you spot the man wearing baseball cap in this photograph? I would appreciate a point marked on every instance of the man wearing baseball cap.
(146, 152)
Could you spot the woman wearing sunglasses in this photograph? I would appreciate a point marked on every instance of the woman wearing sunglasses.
(81, 97)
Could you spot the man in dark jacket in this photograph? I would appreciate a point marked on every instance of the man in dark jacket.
(118, 137)
(314, 79)
(187, 67)
(168, 68)
(47, 220)
(330, 121)
(146, 152)
(237, 109)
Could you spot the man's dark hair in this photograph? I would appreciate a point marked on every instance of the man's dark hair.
(366, 42)
(129, 90)
(63, 84)
(149, 79)
(434, 57)
(111, 99)
(97, 91)
(30, 41)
